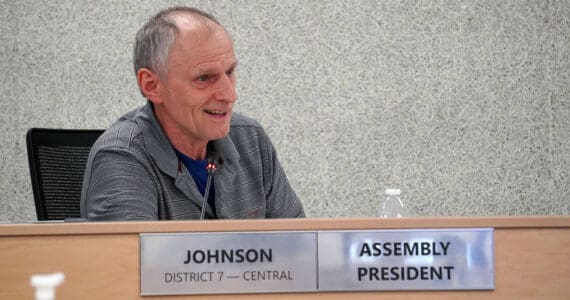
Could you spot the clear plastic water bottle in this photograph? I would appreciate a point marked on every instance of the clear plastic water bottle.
(392, 206)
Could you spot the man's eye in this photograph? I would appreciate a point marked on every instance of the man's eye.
(203, 78)
(230, 72)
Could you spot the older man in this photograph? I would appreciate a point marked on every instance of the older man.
(151, 164)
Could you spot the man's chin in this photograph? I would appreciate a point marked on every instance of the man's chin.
(220, 134)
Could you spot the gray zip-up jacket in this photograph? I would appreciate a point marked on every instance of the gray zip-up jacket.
(133, 173)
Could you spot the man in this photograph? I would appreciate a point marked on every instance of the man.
(151, 164)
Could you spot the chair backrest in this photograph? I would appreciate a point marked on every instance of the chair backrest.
(57, 159)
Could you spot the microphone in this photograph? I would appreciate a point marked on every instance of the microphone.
(211, 169)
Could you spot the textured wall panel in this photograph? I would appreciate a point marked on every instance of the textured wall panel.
(464, 105)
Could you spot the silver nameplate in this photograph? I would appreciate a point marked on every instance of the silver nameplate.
(218, 263)
(439, 259)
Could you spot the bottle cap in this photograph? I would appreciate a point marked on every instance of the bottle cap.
(392, 192)
(45, 284)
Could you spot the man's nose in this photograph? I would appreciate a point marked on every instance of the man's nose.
(226, 89)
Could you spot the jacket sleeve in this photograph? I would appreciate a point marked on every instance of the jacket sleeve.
(282, 202)
(118, 186)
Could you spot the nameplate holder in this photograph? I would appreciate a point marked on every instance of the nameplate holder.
(317, 261)
(222, 263)
(417, 259)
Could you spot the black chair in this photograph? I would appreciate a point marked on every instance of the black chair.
(57, 159)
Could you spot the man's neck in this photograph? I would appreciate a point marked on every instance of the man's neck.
(191, 150)
(182, 141)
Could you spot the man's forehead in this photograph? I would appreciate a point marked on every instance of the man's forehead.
(201, 43)
(203, 53)
(225, 63)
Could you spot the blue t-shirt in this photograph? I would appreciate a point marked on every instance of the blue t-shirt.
(197, 169)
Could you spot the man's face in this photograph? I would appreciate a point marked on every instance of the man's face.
(199, 86)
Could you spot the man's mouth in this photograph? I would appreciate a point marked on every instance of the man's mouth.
(215, 112)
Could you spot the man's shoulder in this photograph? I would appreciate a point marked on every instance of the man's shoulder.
(124, 133)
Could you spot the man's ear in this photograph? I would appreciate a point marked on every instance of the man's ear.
(150, 85)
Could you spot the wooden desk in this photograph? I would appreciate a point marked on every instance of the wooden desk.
(101, 260)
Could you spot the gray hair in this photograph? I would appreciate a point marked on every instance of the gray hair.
(154, 40)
